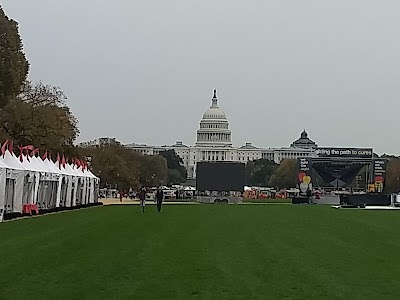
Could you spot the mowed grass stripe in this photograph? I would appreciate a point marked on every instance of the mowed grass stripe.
(202, 251)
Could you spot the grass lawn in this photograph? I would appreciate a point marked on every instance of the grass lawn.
(204, 252)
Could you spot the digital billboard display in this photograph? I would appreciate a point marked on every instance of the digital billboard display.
(220, 176)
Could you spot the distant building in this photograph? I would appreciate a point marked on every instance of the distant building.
(304, 142)
(147, 149)
(279, 154)
(99, 142)
(214, 143)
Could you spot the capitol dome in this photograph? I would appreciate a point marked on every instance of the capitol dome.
(214, 127)
(214, 112)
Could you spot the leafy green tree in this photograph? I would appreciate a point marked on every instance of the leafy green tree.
(286, 174)
(124, 168)
(174, 162)
(153, 170)
(259, 172)
(175, 177)
(111, 166)
(30, 114)
(39, 116)
(392, 181)
(13, 64)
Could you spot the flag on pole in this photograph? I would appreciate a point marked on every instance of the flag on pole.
(59, 161)
(21, 152)
(3, 148)
(33, 153)
(44, 157)
(29, 148)
(63, 161)
(10, 148)
(26, 149)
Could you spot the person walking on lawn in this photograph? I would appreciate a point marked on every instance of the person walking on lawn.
(159, 198)
(142, 198)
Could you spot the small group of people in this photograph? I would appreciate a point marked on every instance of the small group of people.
(159, 198)
(123, 195)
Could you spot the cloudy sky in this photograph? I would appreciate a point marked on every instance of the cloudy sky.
(143, 71)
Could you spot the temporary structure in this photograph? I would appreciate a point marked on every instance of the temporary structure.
(17, 181)
(31, 180)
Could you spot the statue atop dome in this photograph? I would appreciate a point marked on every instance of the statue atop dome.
(215, 99)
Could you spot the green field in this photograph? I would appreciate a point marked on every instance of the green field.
(203, 252)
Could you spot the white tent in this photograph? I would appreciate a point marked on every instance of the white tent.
(15, 184)
(31, 180)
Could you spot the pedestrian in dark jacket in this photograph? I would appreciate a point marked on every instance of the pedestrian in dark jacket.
(159, 198)
(142, 197)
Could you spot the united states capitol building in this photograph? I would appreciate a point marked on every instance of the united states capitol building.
(214, 143)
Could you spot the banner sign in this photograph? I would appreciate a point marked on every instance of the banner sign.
(345, 152)
(304, 178)
(378, 174)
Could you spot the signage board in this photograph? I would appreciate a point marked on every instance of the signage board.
(345, 152)
(304, 176)
(378, 173)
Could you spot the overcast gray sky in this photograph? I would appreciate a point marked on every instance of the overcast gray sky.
(144, 71)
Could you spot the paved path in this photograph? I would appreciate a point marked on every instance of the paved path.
(136, 202)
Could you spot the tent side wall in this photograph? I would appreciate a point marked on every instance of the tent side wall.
(19, 189)
(68, 200)
(2, 192)
(36, 191)
(58, 195)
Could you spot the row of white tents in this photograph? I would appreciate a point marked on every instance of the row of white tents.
(44, 183)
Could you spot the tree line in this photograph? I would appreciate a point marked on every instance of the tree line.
(124, 168)
(267, 173)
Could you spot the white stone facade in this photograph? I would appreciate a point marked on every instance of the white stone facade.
(99, 142)
(214, 143)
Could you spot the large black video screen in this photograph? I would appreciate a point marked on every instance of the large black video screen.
(220, 176)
